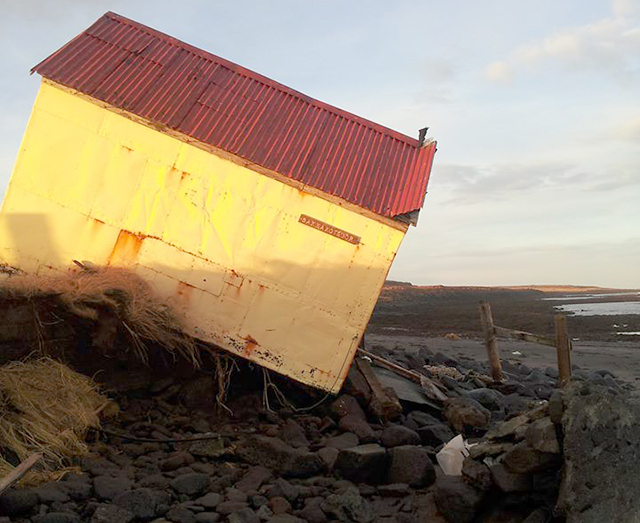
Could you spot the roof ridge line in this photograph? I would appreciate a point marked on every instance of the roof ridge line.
(248, 73)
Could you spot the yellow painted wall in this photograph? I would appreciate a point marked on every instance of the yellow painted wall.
(221, 241)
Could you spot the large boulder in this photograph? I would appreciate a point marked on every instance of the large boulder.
(17, 502)
(191, 484)
(343, 441)
(456, 500)
(476, 474)
(508, 481)
(488, 398)
(524, 459)
(346, 405)
(253, 479)
(108, 487)
(144, 503)
(601, 449)
(276, 455)
(465, 413)
(435, 434)
(425, 509)
(358, 425)
(541, 435)
(396, 435)
(293, 434)
(410, 464)
(363, 464)
(349, 506)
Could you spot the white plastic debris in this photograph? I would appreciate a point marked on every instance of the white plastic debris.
(517, 353)
(452, 455)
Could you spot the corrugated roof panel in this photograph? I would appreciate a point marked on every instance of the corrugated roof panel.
(315, 168)
(173, 84)
(253, 108)
(301, 139)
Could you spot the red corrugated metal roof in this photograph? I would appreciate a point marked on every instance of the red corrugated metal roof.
(168, 82)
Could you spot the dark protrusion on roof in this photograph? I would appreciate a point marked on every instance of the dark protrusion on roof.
(422, 134)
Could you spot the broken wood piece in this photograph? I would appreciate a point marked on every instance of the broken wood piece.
(382, 404)
(430, 388)
(17, 473)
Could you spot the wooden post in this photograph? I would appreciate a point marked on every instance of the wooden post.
(490, 339)
(563, 346)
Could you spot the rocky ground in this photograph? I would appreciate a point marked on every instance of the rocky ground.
(335, 461)
(620, 358)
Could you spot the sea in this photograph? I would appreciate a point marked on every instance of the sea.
(605, 304)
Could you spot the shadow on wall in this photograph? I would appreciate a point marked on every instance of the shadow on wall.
(28, 233)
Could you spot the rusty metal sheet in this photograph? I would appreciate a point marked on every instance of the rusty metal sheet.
(406, 389)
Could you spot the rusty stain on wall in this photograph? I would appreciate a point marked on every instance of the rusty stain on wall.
(127, 248)
(251, 345)
(184, 292)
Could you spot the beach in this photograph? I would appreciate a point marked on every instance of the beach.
(603, 323)
(621, 358)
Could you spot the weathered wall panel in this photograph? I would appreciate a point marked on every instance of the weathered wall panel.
(222, 241)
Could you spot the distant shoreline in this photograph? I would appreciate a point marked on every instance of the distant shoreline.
(546, 288)
(436, 310)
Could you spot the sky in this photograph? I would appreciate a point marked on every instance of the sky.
(535, 107)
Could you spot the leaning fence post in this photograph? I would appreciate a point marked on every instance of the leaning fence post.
(563, 346)
(490, 338)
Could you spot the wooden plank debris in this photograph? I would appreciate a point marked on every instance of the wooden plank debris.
(17, 473)
(428, 385)
(382, 404)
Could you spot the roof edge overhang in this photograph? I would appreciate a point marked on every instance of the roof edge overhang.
(411, 217)
(396, 222)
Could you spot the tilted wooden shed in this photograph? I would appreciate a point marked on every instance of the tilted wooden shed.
(270, 218)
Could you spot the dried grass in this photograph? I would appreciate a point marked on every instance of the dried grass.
(224, 367)
(46, 407)
(142, 315)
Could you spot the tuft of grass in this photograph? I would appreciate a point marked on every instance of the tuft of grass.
(46, 407)
(141, 314)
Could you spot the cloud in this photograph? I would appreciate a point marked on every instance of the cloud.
(628, 130)
(474, 184)
(608, 45)
(625, 7)
(499, 72)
